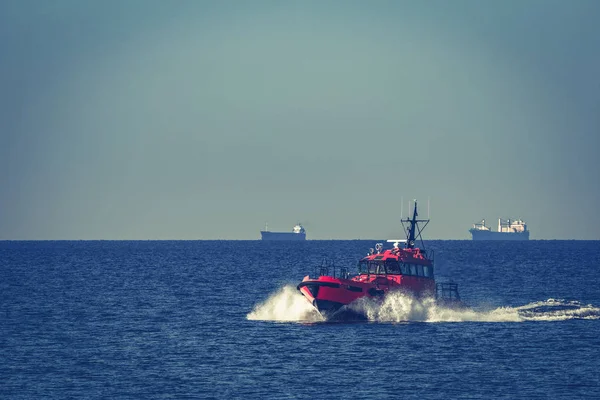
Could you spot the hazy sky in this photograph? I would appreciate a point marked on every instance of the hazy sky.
(205, 119)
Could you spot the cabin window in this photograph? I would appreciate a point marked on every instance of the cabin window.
(427, 271)
(405, 269)
(420, 270)
(392, 267)
(361, 267)
(364, 267)
(413, 269)
(371, 267)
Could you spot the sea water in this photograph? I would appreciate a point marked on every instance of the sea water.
(223, 319)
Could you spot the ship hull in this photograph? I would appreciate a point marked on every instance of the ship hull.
(490, 235)
(266, 235)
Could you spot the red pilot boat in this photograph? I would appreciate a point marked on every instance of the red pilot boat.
(408, 269)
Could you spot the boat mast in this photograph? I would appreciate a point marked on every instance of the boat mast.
(410, 240)
(414, 231)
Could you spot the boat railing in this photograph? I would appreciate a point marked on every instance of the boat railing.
(324, 271)
(447, 291)
(344, 273)
(339, 272)
(429, 254)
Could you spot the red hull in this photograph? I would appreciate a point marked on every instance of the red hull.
(328, 294)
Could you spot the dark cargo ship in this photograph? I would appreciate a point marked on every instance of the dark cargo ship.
(297, 233)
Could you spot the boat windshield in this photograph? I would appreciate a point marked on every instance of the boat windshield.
(379, 267)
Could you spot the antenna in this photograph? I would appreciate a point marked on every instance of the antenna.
(413, 231)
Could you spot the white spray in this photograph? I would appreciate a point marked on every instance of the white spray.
(288, 304)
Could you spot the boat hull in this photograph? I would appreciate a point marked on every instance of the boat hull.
(330, 295)
(267, 235)
(491, 235)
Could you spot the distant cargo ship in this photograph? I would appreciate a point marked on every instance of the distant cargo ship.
(297, 233)
(507, 230)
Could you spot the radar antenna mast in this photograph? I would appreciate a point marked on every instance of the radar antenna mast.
(413, 231)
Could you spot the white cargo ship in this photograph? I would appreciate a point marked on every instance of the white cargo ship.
(507, 230)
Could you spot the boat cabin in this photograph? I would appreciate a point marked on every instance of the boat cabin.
(396, 262)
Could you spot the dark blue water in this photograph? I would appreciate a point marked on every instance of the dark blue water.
(206, 319)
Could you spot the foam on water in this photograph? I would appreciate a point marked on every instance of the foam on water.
(558, 310)
(287, 304)
(399, 307)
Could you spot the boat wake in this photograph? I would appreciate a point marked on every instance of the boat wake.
(288, 305)
(558, 310)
